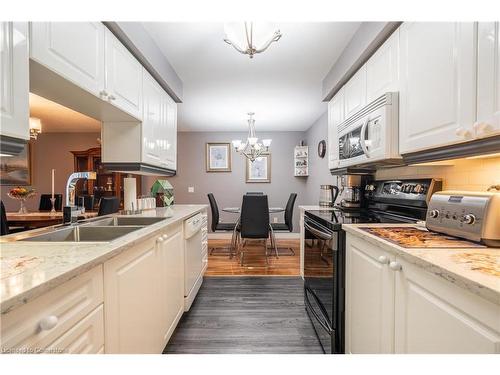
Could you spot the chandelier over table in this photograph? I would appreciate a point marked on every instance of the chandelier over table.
(252, 148)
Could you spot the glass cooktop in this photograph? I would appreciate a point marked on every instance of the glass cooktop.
(334, 218)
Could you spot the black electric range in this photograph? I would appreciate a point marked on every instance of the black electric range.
(392, 201)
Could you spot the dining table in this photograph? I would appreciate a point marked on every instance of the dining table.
(40, 219)
(237, 210)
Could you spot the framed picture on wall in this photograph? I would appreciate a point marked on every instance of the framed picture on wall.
(218, 157)
(260, 169)
(16, 170)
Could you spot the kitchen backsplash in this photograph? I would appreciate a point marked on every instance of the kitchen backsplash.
(459, 174)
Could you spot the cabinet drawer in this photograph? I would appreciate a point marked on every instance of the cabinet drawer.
(86, 337)
(66, 305)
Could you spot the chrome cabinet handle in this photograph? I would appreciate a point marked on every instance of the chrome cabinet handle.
(49, 322)
(103, 94)
(395, 266)
(165, 236)
(112, 97)
(159, 239)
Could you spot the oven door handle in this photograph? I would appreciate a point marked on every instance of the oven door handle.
(322, 235)
(323, 324)
(362, 137)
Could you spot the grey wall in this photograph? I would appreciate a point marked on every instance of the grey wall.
(228, 187)
(363, 44)
(319, 174)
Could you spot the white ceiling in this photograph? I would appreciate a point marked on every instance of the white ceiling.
(282, 85)
(60, 119)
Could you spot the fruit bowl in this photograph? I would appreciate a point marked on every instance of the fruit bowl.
(21, 194)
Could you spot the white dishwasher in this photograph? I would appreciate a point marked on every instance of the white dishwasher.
(193, 258)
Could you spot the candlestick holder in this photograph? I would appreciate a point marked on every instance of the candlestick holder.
(53, 203)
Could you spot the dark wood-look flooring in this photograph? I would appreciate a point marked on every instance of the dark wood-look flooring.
(246, 315)
(219, 263)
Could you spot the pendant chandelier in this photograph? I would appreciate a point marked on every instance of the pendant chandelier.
(252, 148)
(250, 38)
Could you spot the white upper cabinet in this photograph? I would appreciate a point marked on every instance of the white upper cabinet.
(382, 70)
(355, 93)
(488, 80)
(123, 82)
(438, 85)
(153, 129)
(14, 99)
(171, 133)
(74, 50)
(335, 118)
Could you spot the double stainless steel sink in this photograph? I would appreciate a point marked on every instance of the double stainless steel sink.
(102, 230)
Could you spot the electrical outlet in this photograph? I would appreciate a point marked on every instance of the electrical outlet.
(191, 189)
(275, 219)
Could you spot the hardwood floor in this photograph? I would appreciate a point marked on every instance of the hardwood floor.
(219, 263)
(246, 315)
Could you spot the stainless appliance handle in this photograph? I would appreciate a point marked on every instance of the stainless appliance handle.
(318, 318)
(317, 232)
(362, 136)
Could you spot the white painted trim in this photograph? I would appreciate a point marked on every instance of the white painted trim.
(278, 235)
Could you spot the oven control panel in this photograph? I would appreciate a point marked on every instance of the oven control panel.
(403, 190)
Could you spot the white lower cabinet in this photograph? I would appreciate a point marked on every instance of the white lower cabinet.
(86, 337)
(132, 304)
(393, 306)
(369, 299)
(171, 254)
(143, 294)
(434, 316)
(65, 319)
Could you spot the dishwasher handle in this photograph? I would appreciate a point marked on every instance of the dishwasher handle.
(192, 226)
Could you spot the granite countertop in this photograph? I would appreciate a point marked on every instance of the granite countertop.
(29, 269)
(474, 269)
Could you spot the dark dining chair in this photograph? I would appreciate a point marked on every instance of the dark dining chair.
(88, 201)
(4, 229)
(45, 204)
(108, 205)
(287, 226)
(255, 193)
(217, 226)
(254, 223)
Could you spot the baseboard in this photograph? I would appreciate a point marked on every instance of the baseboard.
(278, 235)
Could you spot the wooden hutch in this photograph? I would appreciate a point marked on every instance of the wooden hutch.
(107, 184)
